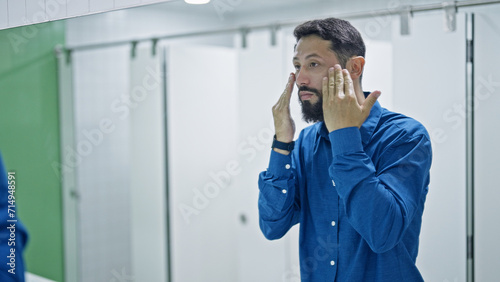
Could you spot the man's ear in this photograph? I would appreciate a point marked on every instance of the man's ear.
(355, 66)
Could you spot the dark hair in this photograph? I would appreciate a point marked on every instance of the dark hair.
(346, 41)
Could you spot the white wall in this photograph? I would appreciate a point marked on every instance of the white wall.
(15, 13)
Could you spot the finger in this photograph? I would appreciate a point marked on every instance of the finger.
(370, 101)
(348, 85)
(339, 81)
(325, 91)
(289, 88)
(291, 81)
(331, 82)
(287, 92)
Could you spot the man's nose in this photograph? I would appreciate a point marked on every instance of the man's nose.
(302, 77)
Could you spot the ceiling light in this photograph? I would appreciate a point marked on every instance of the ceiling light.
(197, 1)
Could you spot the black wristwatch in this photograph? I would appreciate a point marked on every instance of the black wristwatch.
(282, 145)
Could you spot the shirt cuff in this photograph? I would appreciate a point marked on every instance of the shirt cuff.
(279, 164)
(345, 140)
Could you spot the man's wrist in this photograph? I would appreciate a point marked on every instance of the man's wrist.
(283, 152)
(283, 146)
(284, 139)
(345, 140)
(334, 127)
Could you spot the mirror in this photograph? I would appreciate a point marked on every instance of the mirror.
(139, 162)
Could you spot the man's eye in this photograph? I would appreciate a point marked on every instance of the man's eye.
(297, 67)
(313, 65)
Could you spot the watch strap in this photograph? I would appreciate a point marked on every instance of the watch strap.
(282, 145)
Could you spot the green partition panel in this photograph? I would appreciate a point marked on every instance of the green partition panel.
(29, 139)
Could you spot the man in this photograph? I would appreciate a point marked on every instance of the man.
(356, 179)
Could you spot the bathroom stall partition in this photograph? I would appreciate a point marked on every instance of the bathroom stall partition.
(450, 82)
(486, 39)
(101, 162)
(429, 82)
(149, 169)
(263, 68)
(113, 165)
(202, 118)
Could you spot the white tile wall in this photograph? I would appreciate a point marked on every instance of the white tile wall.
(126, 3)
(56, 9)
(4, 14)
(15, 13)
(35, 11)
(77, 7)
(151, 1)
(101, 5)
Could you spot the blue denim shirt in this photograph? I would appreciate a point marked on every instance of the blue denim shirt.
(358, 195)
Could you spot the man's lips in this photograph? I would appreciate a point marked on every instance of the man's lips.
(304, 95)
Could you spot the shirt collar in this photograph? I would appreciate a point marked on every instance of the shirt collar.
(368, 126)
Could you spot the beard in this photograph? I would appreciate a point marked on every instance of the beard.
(311, 112)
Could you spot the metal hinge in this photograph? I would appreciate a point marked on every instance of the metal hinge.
(470, 247)
(470, 51)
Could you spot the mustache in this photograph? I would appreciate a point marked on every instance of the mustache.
(305, 88)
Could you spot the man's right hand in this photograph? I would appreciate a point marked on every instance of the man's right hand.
(283, 123)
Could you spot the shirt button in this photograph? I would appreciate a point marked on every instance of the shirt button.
(333, 223)
(333, 182)
(287, 166)
(332, 262)
(283, 191)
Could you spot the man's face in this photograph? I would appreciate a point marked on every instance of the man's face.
(312, 59)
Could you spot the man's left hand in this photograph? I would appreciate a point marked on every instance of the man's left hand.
(340, 105)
